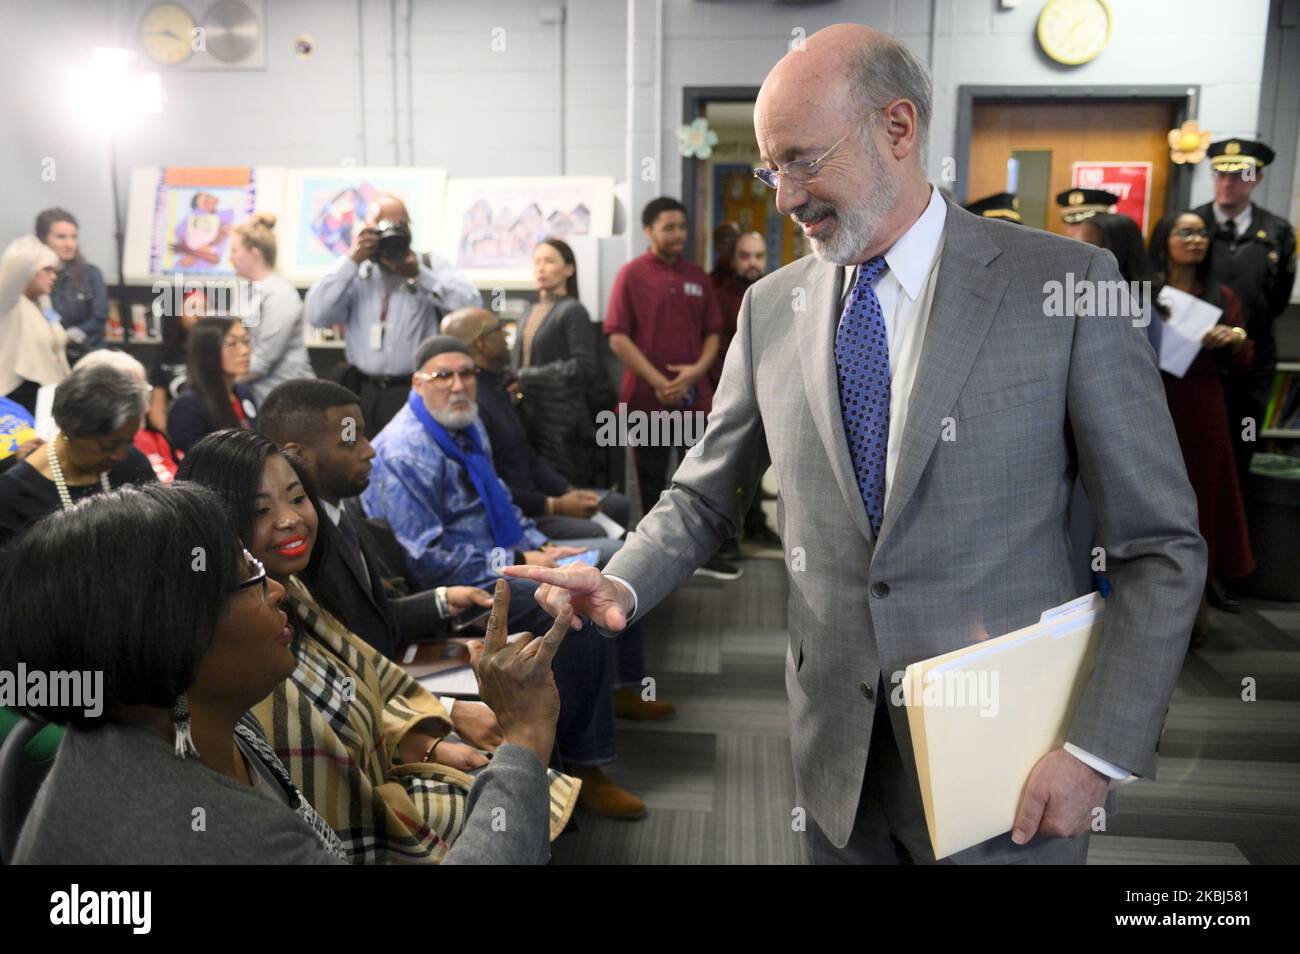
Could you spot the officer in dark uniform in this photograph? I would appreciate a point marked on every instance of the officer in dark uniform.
(1004, 205)
(1079, 205)
(1252, 251)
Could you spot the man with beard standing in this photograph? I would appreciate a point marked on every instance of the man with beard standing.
(748, 263)
(926, 409)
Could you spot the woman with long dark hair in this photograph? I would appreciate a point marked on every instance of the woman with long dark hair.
(219, 351)
(371, 748)
(555, 362)
(80, 295)
(1179, 246)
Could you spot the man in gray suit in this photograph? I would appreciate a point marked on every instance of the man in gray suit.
(926, 395)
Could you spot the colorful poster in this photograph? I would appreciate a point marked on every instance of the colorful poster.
(1131, 181)
(179, 218)
(194, 211)
(326, 207)
(492, 225)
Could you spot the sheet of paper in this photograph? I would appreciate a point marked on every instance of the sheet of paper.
(46, 429)
(1180, 335)
(611, 527)
(453, 682)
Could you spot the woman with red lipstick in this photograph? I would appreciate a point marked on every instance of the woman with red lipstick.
(376, 751)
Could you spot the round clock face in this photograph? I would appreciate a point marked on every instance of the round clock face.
(1074, 31)
(166, 32)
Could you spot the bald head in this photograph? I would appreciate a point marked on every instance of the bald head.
(749, 256)
(388, 207)
(481, 331)
(852, 105)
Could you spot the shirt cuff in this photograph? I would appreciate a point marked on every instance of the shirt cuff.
(631, 589)
(447, 702)
(1109, 769)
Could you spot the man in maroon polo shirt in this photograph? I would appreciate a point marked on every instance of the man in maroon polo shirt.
(663, 323)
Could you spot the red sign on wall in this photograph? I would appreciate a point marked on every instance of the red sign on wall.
(1131, 181)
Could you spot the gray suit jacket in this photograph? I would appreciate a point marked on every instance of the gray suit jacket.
(974, 539)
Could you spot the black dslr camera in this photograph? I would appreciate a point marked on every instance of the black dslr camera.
(394, 241)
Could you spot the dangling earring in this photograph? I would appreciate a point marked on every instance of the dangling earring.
(184, 740)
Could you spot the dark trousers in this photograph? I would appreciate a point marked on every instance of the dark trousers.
(652, 465)
(890, 825)
(381, 399)
(584, 734)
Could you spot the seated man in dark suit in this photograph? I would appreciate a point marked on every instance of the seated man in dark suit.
(560, 510)
(309, 418)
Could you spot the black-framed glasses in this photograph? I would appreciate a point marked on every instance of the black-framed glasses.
(800, 171)
(443, 378)
(258, 578)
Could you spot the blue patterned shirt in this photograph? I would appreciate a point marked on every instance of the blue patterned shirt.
(434, 511)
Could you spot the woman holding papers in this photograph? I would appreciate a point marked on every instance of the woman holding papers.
(1179, 246)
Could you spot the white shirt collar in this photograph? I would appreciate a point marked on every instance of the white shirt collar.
(912, 256)
(1242, 220)
(334, 513)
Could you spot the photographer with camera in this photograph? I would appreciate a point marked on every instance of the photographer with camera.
(388, 300)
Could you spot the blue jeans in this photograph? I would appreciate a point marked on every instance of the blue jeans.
(584, 734)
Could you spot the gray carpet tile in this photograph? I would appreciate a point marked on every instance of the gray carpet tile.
(1116, 850)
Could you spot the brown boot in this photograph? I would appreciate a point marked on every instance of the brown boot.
(600, 796)
(628, 704)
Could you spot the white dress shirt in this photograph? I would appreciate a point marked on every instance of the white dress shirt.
(1241, 220)
(906, 291)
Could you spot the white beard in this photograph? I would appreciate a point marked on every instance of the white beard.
(856, 226)
(457, 420)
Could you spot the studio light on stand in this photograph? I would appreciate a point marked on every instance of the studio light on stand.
(109, 93)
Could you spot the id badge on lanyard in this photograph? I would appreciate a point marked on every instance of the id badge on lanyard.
(377, 329)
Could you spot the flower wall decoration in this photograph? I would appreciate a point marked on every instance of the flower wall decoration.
(697, 139)
(1187, 143)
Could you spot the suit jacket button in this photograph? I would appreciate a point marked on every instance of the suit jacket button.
(880, 590)
(867, 692)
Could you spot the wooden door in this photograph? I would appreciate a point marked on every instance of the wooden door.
(1072, 131)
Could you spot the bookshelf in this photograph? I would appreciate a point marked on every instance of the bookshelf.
(1284, 397)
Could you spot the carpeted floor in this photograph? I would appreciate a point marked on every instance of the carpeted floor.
(717, 778)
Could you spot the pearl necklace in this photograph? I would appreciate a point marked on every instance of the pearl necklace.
(60, 484)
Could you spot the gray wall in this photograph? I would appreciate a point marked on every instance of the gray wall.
(626, 63)
(476, 111)
(1219, 47)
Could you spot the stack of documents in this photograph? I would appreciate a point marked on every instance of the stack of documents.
(1180, 338)
(981, 717)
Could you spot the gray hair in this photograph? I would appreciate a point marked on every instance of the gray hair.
(887, 71)
(95, 401)
(114, 359)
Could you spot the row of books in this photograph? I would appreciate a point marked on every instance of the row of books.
(1283, 409)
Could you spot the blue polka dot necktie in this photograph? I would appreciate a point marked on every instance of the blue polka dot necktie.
(862, 366)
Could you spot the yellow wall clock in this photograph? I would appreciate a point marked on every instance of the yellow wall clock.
(1073, 32)
(166, 32)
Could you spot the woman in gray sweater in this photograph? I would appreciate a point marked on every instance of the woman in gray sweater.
(158, 661)
(274, 312)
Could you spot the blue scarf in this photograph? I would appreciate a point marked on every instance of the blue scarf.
(506, 531)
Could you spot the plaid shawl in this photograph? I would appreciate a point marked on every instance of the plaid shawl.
(336, 723)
